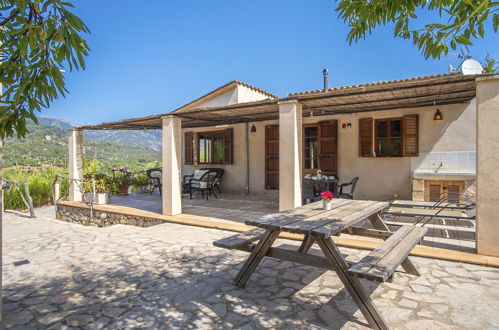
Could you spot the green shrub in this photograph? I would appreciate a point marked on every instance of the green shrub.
(141, 179)
(39, 185)
(101, 183)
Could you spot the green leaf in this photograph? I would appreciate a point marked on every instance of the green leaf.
(463, 40)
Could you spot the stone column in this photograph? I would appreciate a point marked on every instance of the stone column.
(172, 165)
(290, 142)
(75, 163)
(487, 223)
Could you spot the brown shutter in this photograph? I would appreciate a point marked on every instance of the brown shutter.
(228, 149)
(189, 148)
(410, 135)
(366, 137)
(453, 191)
(328, 147)
(434, 192)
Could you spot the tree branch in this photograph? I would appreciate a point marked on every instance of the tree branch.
(10, 18)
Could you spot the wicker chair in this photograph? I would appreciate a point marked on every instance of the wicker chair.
(156, 177)
(201, 180)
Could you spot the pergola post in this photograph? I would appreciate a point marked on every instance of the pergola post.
(290, 140)
(487, 194)
(75, 164)
(172, 166)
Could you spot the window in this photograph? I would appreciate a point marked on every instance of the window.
(388, 134)
(311, 147)
(389, 137)
(208, 147)
(211, 148)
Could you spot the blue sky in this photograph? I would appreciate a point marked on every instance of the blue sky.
(150, 57)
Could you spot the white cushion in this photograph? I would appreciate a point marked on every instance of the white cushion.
(198, 174)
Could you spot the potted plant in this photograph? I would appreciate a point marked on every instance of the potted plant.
(123, 180)
(327, 197)
(96, 188)
(141, 182)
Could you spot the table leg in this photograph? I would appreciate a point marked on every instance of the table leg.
(352, 284)
(379, 224)
(255, 257)
(306, 244)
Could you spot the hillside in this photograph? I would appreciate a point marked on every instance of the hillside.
(48, 145)
(143, 139)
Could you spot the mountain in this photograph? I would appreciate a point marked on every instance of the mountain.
(143, 139)
(46, 144)
(61, 123)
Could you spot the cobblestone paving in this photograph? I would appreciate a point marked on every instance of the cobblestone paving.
(171, 276)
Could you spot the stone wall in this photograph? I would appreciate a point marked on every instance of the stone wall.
(100, 218)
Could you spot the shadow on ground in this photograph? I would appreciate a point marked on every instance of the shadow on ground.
(182, 289)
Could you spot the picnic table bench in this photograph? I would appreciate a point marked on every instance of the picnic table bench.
(318, 225)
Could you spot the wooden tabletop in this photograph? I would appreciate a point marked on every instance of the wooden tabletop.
(312, 219)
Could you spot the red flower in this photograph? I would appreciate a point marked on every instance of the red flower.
(327, 195)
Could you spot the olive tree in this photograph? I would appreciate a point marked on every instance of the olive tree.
(459, 22)
(39, 40)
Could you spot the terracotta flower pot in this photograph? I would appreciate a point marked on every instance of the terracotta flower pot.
(123, 191)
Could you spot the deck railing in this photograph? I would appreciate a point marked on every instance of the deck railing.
(23, 190)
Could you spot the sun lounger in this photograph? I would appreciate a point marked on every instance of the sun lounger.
(432, 205)
(431, 213)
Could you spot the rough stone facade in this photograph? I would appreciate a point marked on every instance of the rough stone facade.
(100, 218)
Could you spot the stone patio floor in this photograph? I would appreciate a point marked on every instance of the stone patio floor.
(171, 276)
(228, 206)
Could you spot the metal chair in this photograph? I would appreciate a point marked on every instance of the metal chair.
(352, 185)
(308, 191)
(220, 174)
(203, 181)
(156, 177)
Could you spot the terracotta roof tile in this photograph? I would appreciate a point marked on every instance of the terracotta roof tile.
(388, 82)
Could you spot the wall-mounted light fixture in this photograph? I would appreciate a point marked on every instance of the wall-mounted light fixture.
(253, 129)
(438, 115)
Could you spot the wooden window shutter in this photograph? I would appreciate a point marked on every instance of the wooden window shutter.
(410, 135)
(434, 192)
(228, 149)
(453, 191)
(366, 137)
(189, 148)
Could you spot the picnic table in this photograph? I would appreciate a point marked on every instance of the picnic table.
(318, 226)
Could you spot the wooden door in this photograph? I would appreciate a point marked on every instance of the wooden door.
(328, 147)
(272, 157)
(435, 190)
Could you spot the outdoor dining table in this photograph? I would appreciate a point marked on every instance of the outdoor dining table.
(318, 226)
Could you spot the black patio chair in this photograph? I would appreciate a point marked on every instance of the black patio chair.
(220, 172)
(202, 180)
(156, 177)
(308, 191)
(352, 185)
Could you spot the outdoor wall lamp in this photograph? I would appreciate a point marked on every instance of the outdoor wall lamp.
(438, 115)
(253, 129)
